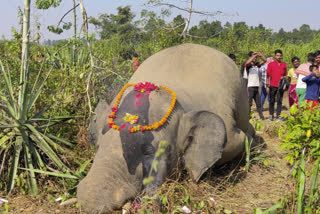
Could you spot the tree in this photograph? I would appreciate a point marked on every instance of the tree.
(20, 128)
(189, 10)
(120, 25)
(306, 34)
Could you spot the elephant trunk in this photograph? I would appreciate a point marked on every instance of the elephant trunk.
(108, 184)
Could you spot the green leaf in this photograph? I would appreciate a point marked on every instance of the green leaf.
(8, 84)
(301, 185)
(226, 211)
(53, 144)
(32, 177)
(67, 26)
(15, 162)
(148, 180)
(54, 29)
(62, 175)
(39, 114)
(45, 4)
(201, 205)
(313, 186)
(164, 200)
(3, 140)
(80, 171)
(154, 166)
(35, 94)
(43, 145)
(61, 140)
(33, 90)
(8, 109)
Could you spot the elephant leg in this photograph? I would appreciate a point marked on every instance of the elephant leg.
(235, 145)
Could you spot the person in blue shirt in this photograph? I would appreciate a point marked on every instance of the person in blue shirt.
(313, 82)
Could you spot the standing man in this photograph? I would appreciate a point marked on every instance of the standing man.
(264, 94)
(276, 71)
(293, 98)
(303, 71)
(254, 74)
(243, 70)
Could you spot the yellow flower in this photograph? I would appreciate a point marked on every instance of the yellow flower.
(308, 133)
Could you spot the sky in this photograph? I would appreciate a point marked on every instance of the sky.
(274, 14)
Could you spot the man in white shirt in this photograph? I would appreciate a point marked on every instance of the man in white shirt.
(254, 76)
(264, 94)
(303, 71)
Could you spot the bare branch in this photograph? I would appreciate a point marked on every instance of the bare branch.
(85, 33)
(205, 13)
(173, 27)
(67, 14)
(203, 37)
(110, 72)
(185, 30)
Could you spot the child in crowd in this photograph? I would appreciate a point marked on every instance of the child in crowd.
(293, 97)
(135, 61)
(313, 82)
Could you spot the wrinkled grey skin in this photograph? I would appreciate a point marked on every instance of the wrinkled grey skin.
(207, 127)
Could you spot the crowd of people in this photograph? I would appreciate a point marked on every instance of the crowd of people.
(269, 77)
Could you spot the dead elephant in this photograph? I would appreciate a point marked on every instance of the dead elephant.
(208, 125)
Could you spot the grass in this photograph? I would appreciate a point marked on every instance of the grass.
(226, 189)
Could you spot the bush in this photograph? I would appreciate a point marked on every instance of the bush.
(301, 131)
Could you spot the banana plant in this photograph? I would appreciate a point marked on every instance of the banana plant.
(24, 137)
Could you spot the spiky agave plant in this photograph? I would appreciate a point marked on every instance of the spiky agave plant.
(23, 136)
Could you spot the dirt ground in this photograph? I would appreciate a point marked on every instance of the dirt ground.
(232, 187)
(265, 183)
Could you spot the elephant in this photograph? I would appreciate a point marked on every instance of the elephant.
(207, 127)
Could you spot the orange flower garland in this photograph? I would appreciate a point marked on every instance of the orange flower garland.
(133, 129)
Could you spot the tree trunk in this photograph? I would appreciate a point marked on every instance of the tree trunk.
(85, 33)
(74, 31)
(186, 27)
(24, 73)
(24, 78)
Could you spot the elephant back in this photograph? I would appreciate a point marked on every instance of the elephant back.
(203, 79)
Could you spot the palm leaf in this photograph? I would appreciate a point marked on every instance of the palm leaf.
(5, 139)
(8, 84)
(36, 155)
(81, 169)
(36, 81)
(29, 164)
(8, 108)
(60, 140)
(44, 146)
(56, 146)
(15, 161)
(36, 93)
(40, 113)
(65, 175)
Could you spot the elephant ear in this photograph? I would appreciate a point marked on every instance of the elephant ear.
(201, 139)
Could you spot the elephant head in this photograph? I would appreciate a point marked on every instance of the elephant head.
(124, 159)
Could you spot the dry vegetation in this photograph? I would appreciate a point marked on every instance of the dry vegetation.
(234, 189)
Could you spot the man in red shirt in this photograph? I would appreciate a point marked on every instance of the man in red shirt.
(275, 72)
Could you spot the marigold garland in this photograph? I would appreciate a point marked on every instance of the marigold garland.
(141, 87)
